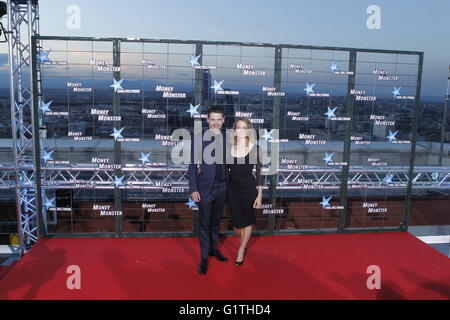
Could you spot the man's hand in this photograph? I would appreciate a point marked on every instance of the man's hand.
(195, 196)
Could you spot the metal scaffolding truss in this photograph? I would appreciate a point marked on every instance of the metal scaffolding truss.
(157, 179)
(23, 23)
(392, 177)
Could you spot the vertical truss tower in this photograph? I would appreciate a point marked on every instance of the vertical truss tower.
(23, 23)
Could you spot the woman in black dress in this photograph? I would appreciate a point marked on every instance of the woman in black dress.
(244, 192)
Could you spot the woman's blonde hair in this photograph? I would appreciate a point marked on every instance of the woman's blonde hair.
(249, 137)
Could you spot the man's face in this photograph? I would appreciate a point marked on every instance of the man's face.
(215, 121)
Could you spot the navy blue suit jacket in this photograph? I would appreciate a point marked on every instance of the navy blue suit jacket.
(203, 182)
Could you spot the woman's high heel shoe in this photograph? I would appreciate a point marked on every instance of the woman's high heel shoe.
(239, 263)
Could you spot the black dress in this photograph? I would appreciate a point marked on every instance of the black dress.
(241, 190)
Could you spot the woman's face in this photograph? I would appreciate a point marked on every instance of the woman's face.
(241, 130)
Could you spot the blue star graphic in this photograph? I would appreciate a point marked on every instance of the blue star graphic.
(396, 91)
(328, 157)
(435, 176)
(217, 86)
(388, 178)
(309, 88)
(43, 56)
(330, 113)
(118, 181)
(391, 136)
(117, 85)
(144, 157)
(48, 203)
(193, 110)
(325, 201)
(268, 135)
(47, 156)
(117, 133)
(45, 107)
(191, 203)
(194, 60)
(333, 66)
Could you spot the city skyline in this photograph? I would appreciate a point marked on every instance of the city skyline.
(325, 22)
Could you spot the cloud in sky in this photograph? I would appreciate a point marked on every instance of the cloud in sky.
(4, 83)
(324, 22)
(3, 59)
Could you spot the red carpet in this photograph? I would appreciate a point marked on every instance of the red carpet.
(278, 267)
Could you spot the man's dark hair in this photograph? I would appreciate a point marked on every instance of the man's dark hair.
(216, 110)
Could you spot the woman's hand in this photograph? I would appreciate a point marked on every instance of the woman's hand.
(258, 201)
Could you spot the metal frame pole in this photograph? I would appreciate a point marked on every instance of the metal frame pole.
(198, 100)
(117, 144)
(276, 126)
(347, 143)
(412, 156)
(35, 79)
(444, 120)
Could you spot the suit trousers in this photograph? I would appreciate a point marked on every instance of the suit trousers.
(211, 209)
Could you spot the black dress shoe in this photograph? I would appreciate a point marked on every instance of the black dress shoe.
(219, 256)
(239, 263)
(203, 267)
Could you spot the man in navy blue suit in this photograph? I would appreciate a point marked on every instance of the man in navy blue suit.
(208, 186)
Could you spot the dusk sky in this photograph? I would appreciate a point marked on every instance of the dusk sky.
(405, 25)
